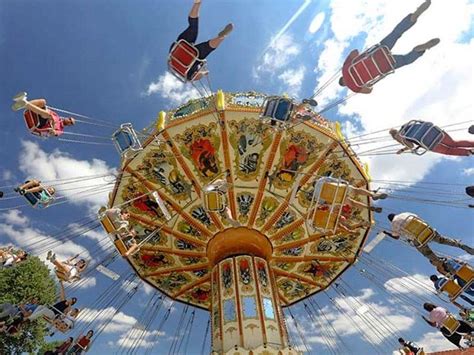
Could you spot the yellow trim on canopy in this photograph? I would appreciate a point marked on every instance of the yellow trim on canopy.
(339, 131)
(161, 121)
(220, 100)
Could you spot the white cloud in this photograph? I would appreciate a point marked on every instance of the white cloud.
(148, 339)
(293, 78)
(275, 64)
(360, 309)
(279, 54)
(170, 88)
(34, 241)
(14, 217)
(316, 23)
(435, 341)
(7, 175)
(123, 323)
(410, 285)
(57, 165)
(435, 88)
(468, 172)
(38, 243)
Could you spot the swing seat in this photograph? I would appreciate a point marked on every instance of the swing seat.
(120, 245)
(182, 58)
(325, 220)
(32, 122)
(451, 288)
(126, 141)
(60, 325)
(215, 201)
(161, 205)
(419, 230)
(425, 135)
(35, 201)
(109, 225)
(332, 193)
(451, 324)
(215, 196)
(335, 193)
(466, 273)
(277, 109)
(369, 67)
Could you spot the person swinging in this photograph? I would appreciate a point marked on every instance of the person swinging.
(419, 134)
(39, 119)
(184, 45)
(68, 270)
(361, 71)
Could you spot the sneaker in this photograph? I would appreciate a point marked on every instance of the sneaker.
(425, 46)
(227, 29)
(376, 209)
(53, 258)
(471, 129)
(16, 189)
(20, 96)
(311, 102)
(18, 105)
(422, 8)
(1, 194)
(49, 255)
(381, 196)
(22, 192)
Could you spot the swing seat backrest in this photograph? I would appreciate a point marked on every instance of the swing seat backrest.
(214, 201)
(32, 122)
(333, 192)
(425, 135)
(451, 324)
(126, 140)
(371, 66)
(107, 224)
(120, 246)
(35, 201)
(325, 220)
(466, 273)
(451, 288)
(183, 56)
(418, 229)
(277, 108)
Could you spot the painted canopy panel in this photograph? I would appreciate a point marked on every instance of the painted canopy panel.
(271, 174)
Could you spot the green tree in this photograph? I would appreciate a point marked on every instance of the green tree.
(49, 347)
(19, 284)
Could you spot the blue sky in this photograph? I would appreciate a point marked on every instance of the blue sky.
(108, 60)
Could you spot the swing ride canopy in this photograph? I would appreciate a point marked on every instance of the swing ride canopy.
(211, 138)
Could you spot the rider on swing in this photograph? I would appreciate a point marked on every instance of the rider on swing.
(205, 48)
(388, 43)
(49, 120)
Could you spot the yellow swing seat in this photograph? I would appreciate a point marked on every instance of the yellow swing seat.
(214, 201)
(120, 246)
(451, 324)
(451, 288)
(466, 273)
(324, 220)
(333, 192)
(419, 230)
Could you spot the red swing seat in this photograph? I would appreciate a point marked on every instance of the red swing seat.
(183, 56)
(32, 121)
(368, 68)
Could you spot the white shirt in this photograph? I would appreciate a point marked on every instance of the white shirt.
(398, 223)
(115, 216)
